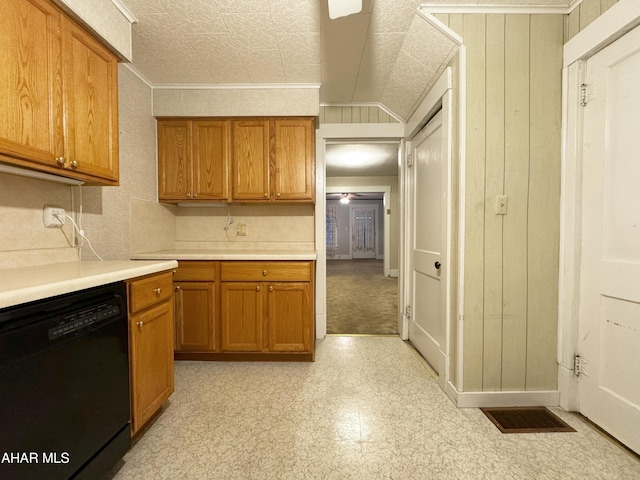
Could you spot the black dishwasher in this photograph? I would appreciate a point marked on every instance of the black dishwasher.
(64, 385)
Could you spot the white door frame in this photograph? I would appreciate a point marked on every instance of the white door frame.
(324, 134)
(606, 29)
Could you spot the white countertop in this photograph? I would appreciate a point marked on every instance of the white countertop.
(22, 285)
(218, 254)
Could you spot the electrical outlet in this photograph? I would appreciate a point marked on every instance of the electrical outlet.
(53, 217)
(242, 229)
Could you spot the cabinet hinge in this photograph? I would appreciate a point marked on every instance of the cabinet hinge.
(580, 366)
(583, 95)
(409, 161)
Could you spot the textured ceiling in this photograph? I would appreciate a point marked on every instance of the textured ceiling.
(386, 54)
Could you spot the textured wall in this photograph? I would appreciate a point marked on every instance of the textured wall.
(513, 115)
(223, 102)
(106, 217)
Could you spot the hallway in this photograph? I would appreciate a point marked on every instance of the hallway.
(349, 415)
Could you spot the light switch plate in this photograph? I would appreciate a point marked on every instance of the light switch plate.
(502, 202)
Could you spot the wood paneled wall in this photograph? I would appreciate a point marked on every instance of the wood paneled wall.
(584, 14)
(513, 115)
(354, 114)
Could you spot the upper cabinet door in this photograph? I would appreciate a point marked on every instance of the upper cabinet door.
(174, 159)
(250, 159)
(30, 82)
(210, 160)
(91, 104)
(294, 177)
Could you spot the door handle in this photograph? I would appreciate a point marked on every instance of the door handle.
(437, 265)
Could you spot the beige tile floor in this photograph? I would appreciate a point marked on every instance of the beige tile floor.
(368, 408)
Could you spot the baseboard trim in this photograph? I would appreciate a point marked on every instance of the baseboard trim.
(546, 398)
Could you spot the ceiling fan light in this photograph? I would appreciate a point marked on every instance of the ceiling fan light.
(342, 8)
(344, 199)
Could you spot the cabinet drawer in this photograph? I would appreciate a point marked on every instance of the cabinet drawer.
(195, 272)
(150, 290)
(265, 271)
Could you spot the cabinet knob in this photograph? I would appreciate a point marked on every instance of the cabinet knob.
(178, 288)
(271, 289)
(140, 324)
(257, 288)
(195, 195)
(188, 195)
(278, 195)
(157, 290)
(60, 161)
(264, 273)
(266, 195)
(74, 164)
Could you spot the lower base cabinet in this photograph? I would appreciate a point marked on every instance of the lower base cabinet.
(245, 311)
(150, 345)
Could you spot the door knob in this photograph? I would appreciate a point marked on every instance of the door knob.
(437, 265)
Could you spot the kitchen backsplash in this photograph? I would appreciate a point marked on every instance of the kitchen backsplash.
(157, 227)
(24, 240)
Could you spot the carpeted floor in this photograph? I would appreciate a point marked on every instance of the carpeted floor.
(360, 299)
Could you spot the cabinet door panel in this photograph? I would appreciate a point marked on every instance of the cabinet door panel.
(174, 159)
(30, 81)
(151, 337)
(194, 302)
(210, 159)
(242, 317)
(250, 160)
(294, 159)
(91, 104)
(289, 317)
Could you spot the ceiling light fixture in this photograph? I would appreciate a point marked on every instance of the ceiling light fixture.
(345, 198)
(342, 8)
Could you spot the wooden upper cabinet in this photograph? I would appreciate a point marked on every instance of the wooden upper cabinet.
(30, 80)
(193, 161)
(174, 159)
(58, 95)
(255, 160)
(250, 159)
(91, 104)
(294, 176)
(210, 159)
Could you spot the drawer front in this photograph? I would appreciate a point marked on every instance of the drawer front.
(265, 271)
(192, 271)
(150, 290)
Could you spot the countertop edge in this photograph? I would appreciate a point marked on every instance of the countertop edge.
(59, 279)
(241, 256)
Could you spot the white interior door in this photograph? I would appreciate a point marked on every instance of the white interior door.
(609, 316)
(364, 231)
(428, 243)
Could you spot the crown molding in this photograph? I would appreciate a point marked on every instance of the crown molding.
(434, 8)
(125, 11)
(574, 4)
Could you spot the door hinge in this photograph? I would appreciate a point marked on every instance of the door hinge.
(583, 95)
(407, 312)
(580, 366)
(409, 161)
